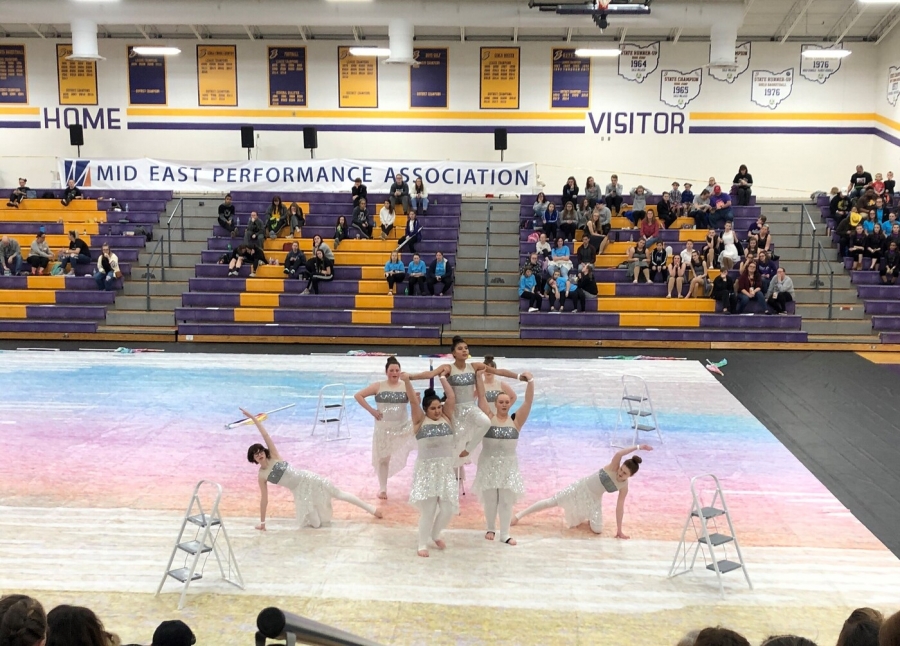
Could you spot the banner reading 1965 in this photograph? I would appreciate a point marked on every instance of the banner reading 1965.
(13, 82)
(499, 78)
(571, 79)
(146, 79)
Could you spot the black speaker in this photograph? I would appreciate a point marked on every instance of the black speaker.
(310, 138)
(246, 136)
(499, 138)
(76, 135)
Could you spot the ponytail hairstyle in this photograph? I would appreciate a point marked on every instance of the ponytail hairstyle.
(489, 361)
(430, 396)
(22, 622)
(391, 361)
(633, 463)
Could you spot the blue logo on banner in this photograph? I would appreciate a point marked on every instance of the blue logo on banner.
(79, 170)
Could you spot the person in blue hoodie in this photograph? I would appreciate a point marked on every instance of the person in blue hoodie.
(416, 276)
(528, 290)
(394, 272)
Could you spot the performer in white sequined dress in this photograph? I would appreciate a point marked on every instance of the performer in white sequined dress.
(435, 490)
(392, 441)
(498, 482)
(312, 492)
(493, 387)
(581, 501)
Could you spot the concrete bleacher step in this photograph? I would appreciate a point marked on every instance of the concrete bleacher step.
(495, 293)
(129, 330)
(157, 288)
(482, 324)
(479, 228)
(475, 307)
(840, 312)
(157, 303)
(140, 318)
(835, 327)
(808, 295)
(495, 278)
(844, 338)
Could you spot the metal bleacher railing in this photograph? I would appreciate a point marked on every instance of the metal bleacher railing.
(816, 258)
(179, 208)
(159, 253)
(273, 623)
(487, 250)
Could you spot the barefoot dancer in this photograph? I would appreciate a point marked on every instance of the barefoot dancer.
(312, 492)
(498, 482)
(392, 441)
(493, 387)
(435, 490)
(581, 501)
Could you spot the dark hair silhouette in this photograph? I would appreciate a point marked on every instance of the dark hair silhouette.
(253, 449)
(22, 621)
(391, 361)
(489, 361)
(633, 463)
(455, 342)
(75, 626)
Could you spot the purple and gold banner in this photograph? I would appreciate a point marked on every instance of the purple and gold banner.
(146, 79)
(429, 85)
(570, 85)
(77, 79)
(357, 80)
(217, 75)
(13, 82)
(287, 76)
(499, 87)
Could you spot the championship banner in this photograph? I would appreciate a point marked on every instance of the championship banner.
(769, 89)
(146, 79)
(678, 89)
(893, 85)
(636, 63)
(77, 79)
(730, 73)
(819, 69)
(325, 175)
(570, 84)
(499, 88)
(357, 80)
(217, 75)
(287, 76)
(429, 85)
(13, 82)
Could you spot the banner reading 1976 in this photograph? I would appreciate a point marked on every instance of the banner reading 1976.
(571, 79)
(146, 79)
(287, 76)
(428, 82)
(77, 79)
(499, 78)
(357, 80)
(217, 75)
(13, 83)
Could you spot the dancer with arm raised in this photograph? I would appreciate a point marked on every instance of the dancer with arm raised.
(581, 501)
(493, 387)
(312, 492)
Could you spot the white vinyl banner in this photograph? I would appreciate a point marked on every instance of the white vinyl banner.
(730, 73)
(636, 63)
(893, 85)
(818, 69)
(769, 89)
(677, 89)
(324, 175)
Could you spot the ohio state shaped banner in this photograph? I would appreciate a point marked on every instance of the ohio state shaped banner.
(636, 63)
(677, 89)
(770, 89)
(730, 73)
(893, 85)
(819, 70)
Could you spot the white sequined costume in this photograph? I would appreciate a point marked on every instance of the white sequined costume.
(392, 440)
(435, 490)
(581, 501)
(498, 464)
(469, 421)
(490, 397)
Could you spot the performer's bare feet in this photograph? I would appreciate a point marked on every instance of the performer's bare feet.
(510, 541)
(423, 553)
(378, 514)
(441, 545)
(382, 495)
(489, 536)
(514, 521)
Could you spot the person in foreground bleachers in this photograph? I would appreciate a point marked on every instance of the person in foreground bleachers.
(722, 212)
(666, 211)
(276, 217)
(659, 265)
(613, 193)
(419, 197)
(528, 290)
(780, 292)
(856, 246)
(173, 632)
(649, 229)
(575, 294)
(712, 248)
(246, 254)
(400, 193)
(295, 262)
(594, 234)
(586, 254)
(78, 253)
(226, 216)
(767, 268)
(412, 234)
(542, 246)
(675, 284)
(39, 256)
(890, 266)
(893, 235)
(536, 265)
(890, 186)
(591, 192)
(743, 183)
(22, 621)
(839, 205)
(869, 222)
(557, 288)
(296, 219)
(77, 626)
(583, 214)
(586, 281)
(699, 274)
(638, 208)
(701, 210)
(386, 218)
(749, 288)
(570, 192)
(394, 272)
(753, 229)
(255, 232)
(10, 256)
(71, 192)
(341, 231)
(674, 196)
(859, 181)
(19, 194)
(551, 221)
(359, 191)
(318, 243)
(723, 291)
(416, 275)
(107, 269)
(360, 220)
(730, 253)
(751, 252)
(560, 258)
(719, 636)
(711, 185)
(638, 262)
(439, 272)
(568, 221)
(874, 245)
(687, 252)
(538, 209)
(687, 201)
(322, 271)
(861, 628)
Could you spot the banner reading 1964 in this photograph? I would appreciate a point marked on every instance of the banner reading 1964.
(13, 83)
(357, 80)
(77, 79)
(571, 79)
(499, 78)
(428, 83)
(146, 79)
(287, 76)
(217, 75)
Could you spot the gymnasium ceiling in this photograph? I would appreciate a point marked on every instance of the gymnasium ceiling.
(434, 20)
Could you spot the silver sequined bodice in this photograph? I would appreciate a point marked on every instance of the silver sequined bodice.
(491, 395)
(463, 384)
(392, 404)
(500, 439)
(435, 440)
(283, 474)
(604, 483)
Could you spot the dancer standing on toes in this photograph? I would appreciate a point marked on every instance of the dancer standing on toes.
(435, 490)
(498, 482)
(581, 501)
(493, 387)
(392, 441)
(312, 492)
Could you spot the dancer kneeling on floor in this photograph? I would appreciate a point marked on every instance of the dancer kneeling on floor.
(498, 483)
(435, 490)
(581, 501)
(312, 492)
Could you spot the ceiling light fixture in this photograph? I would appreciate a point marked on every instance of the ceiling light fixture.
(879, 1)
(597, 53)
(142, 50)
(370, 51)
(826, 53)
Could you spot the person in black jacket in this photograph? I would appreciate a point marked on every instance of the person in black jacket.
(360, 221)
(18, 194)
(856, 247)
(723, 291)
(359, 191)
(70, 193)
(586, 281)
(400, 193)
(891, 267)
(226, 216)
(743, 182)
(255, 233)
(295, 262)
(439, 272)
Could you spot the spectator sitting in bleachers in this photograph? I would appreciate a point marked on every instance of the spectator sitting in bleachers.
(888, 225)
(173, 633)
(560, 258)
(583, 213)
(594, 230)
(859, 182)
(551, 221)
(743, 183)
(711, 185)
(712, 248)
(613, 194)
(861, 628)
(19, 194)
(295, 261)
(605, 218)
(586, 254)
(701, 209)
(586, 281)
(894, 235)
(659, 265)
(839, 206)
(731, 254)
(780, 292)
(10, 256)
(359, 191)
(107, 269)
(341, 231)
(322, 271)
(249, 254)
(723, 291)
(720, 637)
(568, 221)
(574, 293)
(674, 196)
(749, 288)
(416, 274)
(844, 230)
(413, 233)
(751, 251)
(226, 216)
(687, 200)
(22, 621)
(753, 231)
(687, 252)
(638, 208)
(881, 212)
(542, 246)
(649, 229)
(676, 273)
(856, 247)
(890, 186)
(255, 232)
(538, 209)
(866, 201)
(276, 217)
(699, 275)
(77, 626)
(637, 261)
(419, 197)
(536, 264)
(318, 243)
(71, 192)
(665, 211)
(39, 256)
(78, 253)
(400, 193)
(360, 220)
(570, 192)
(874, 246)
(767, 268)
(296, 219)
(528, 290)
(439, 272)
(721, 208)
(394, 272)
(591, 192)
(386, 218)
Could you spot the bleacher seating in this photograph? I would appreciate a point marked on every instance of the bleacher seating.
(354, 304)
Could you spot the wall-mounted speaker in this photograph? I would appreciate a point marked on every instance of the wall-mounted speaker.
(310, 138)
(246, 136)
(499, 138)
(76, 135)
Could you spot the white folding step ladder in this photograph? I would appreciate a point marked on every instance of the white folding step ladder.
(707, 537)
(637, 408)
(331, 412)
(208, 528)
